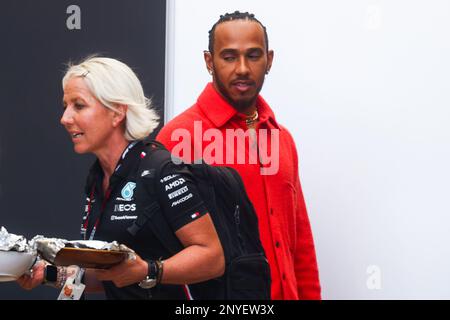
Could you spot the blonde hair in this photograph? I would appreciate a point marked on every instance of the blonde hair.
(112, 82)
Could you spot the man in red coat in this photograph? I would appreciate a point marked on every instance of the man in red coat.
(231, 124)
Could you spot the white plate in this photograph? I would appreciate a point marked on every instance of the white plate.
(14, 264)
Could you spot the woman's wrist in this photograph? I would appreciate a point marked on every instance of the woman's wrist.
(55, 276)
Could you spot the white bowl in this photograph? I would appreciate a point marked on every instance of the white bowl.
(13, 264)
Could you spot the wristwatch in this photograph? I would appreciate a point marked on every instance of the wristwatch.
(154, 274)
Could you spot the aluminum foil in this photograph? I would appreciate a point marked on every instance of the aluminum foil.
(13, 242)
(48, 248)
(102, 245)
(93, 244)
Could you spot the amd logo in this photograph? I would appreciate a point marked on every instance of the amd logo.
(175, 183)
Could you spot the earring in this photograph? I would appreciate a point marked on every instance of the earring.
(210, 71)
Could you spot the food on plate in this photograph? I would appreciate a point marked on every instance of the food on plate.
(16, 256)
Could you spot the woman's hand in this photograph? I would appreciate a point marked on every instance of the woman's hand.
(126, 273)
(201, 259)
(35, 278)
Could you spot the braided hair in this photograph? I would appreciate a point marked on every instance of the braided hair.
(237, 15)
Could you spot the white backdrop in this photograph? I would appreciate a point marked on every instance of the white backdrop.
(363, 85)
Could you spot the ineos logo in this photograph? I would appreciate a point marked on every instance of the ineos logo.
(124, 207)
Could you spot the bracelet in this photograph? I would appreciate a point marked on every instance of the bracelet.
(61, 277)
(160, 264)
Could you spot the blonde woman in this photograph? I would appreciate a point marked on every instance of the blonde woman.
(107, 114)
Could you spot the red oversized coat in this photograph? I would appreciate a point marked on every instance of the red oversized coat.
(201, 132)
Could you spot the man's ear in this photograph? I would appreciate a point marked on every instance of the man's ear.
(209, 61)
(270, 55)
(120, 114)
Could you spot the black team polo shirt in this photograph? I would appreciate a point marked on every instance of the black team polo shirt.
(117, 209)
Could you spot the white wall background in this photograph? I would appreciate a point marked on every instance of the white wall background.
(364, 87)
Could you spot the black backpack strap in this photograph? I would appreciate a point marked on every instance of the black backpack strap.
(237, 213)
(155, 143)
(147, 179)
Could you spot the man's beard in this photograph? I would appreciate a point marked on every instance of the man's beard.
(240, 105)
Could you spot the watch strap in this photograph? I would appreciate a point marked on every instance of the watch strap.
(154, 274)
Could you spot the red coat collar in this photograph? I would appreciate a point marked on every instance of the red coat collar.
(219, 111)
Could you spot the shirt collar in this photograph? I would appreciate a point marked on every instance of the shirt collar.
(127, 159)
(219, 111)
(126, 163)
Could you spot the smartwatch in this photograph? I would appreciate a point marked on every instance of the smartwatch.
(50, 274)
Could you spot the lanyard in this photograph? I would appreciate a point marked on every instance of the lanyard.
(88, 213)
(85, 225)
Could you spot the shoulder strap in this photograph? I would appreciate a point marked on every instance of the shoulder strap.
(237, 213)
(147, 179)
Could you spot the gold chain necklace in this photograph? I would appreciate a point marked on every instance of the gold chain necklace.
(252, 119)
